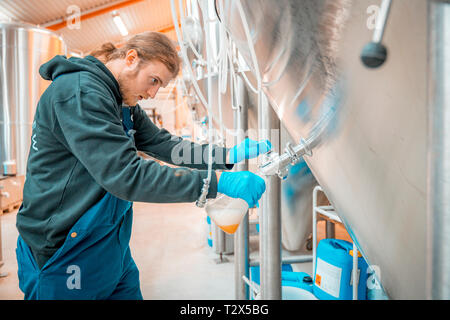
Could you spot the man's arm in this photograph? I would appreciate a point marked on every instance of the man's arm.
(162, 145)
(89, 126)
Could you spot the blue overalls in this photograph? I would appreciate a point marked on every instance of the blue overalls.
(95, 260)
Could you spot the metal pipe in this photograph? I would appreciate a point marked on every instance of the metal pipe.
(221, 244)
(297, 259)
(314, 228)
(438, 184)
(374, 54)
(241, 264)
(270, 216)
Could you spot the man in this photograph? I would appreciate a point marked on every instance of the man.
(83, 171)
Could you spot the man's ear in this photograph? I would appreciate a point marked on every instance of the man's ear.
(132, 59)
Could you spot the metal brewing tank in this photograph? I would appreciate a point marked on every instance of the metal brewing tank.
(296, 208)
(368, 126)
(23, 49)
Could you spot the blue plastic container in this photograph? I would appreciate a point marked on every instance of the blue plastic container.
(297, 279)
(255, 274)
(289, 278)
(333, 271)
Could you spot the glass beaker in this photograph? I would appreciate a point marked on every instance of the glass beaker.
(226, 212)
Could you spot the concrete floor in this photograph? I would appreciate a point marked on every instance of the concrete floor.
(169, 246)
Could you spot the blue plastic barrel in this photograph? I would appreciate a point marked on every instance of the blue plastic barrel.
(255, 274)
(333, 271)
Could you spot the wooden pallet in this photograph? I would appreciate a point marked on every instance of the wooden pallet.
(11, 207)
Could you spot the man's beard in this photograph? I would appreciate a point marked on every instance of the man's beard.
(125, 81)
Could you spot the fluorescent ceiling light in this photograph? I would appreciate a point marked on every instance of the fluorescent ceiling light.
(120, 25)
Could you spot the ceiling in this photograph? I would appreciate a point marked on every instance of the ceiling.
(96, 25)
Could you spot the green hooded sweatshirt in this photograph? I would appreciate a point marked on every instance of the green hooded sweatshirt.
(79, 151)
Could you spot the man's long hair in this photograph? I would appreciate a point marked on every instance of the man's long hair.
(148, 45)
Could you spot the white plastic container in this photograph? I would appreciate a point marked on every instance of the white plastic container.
(226, 212)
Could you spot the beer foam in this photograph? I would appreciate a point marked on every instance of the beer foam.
(226, 211)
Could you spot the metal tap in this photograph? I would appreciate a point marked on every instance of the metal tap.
(275, 164)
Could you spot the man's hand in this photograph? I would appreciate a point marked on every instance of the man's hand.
(242, 184)
(248, 149)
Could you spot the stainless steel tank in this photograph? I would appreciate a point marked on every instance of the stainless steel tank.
(368, 126)
(23, 49)
(296, 210)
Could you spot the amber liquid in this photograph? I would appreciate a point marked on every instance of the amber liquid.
(230, 229)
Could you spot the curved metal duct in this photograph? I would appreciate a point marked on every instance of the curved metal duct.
(23, 49)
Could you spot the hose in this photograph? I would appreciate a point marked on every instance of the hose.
(196, 89)
(209, 81)
(252, 52)
(209, 54)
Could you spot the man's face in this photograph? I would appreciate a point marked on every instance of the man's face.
(141, 80)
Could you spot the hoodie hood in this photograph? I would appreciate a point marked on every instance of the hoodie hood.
(60, 65)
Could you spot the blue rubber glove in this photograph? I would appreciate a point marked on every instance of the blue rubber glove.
(242, 184)
(248, 149)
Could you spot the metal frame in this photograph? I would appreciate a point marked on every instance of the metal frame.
(270, 259)
(241, 239)
(438, 186)
(270, 213)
